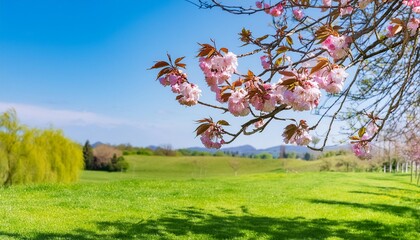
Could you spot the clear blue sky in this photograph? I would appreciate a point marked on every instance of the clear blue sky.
(80, 65)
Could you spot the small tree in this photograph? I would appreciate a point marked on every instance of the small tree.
(235, 164)
(88, 155)
(307, 156)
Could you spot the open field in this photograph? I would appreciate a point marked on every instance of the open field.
(160, 167)
(179, 202)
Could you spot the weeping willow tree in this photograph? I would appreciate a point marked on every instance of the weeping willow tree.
(30, 155)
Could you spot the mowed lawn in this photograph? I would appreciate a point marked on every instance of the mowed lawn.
(186, 200)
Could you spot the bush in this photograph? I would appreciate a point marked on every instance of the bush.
(145, 152)
(265, 155)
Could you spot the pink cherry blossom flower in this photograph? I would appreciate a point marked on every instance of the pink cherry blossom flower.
(238, 104)
(265, 101)
(267, 8)
(300, 134)
(362, 149)
(346, 11)
(326, 3)
(212, 137)
(189, 93)
(277, 10)
(298, 14)
(414, 4)
(264, 62)
(259, 123)
(337, 47)
(344, 2)
(304, 96)
(332, 80)
(371, 128)
(413, 25)
(258, 4)
(218, 69)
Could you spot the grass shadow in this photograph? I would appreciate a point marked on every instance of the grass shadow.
(392, 209)
(407, 199)
(193, 223)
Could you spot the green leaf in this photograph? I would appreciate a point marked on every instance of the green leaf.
(223, 123)
(362, 131)
(282, 49)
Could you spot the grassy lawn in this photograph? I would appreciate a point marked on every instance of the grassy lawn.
(179, 202)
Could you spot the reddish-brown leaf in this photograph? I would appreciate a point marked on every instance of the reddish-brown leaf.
(322, 62)
(225, 50)
(290, 130)
(288, 82)
(237, 83)
(159, 65)
(208, 120)
(181, 65)
(224, 88)
(225, 97)
(179, 60)
(163, 72)
(178, 97)
(354, 138)
(202, 128)
(287, 73)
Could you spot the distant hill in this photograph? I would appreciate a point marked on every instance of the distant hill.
(275, 151)
(94, 145)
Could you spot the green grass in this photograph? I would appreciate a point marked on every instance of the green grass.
(177, 202)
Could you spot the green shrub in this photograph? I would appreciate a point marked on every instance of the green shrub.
(29, 155)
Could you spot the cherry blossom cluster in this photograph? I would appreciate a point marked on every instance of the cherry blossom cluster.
(362, 148)
(414, 4)
(297, 134)
(331, 79)
(218, 69)
(211, 133)
(337, 46)
(396, 26)
(274, 11)
(299, 90)
(300, 84)
(361, 145)
(238, 104)
(188, 93)
(264, 96)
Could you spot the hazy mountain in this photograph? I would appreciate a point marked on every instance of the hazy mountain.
(275, 151)
(94, 145)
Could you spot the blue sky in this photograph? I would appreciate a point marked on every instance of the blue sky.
(82, 66)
